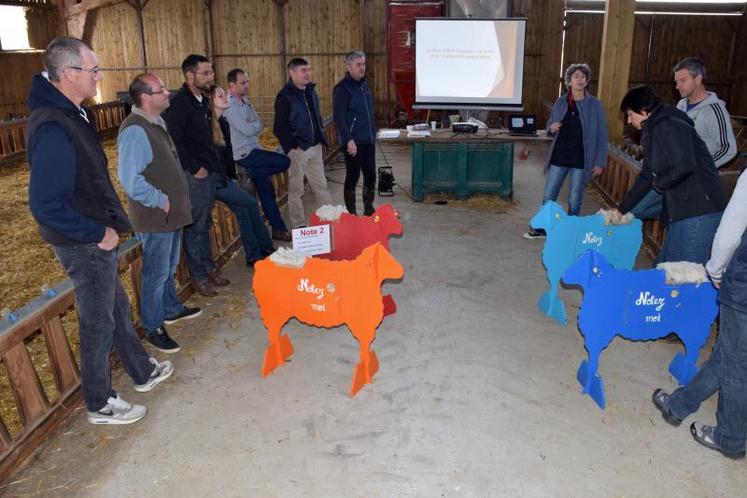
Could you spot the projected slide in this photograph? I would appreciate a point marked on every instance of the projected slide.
(469, 62)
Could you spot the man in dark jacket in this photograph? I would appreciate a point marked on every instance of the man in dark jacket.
(158, 203)
(677, 164)
(298, 126)
(188, 120)
(80, 216)
(356, 130)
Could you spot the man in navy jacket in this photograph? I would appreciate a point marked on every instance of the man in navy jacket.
(354, 119)
(298, 125)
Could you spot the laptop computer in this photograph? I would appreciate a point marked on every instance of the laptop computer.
(522, 124)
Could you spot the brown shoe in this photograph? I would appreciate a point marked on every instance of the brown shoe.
(283, 235)
(206, 289)
(216, 279)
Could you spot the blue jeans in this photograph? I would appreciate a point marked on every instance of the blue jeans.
(104, 320)
(254, 234)
(555, 177)
(690, 239)
(157, 290)
(725, 371)
(260, 165)
(197, 250)
(649, 208)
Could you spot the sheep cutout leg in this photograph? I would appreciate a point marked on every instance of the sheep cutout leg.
(368, 364)
(639, 305)
(684, 366)
(570, 236)
(279, 349)
(550, 303)
(588, 374)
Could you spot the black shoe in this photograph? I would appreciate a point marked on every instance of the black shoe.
(704, 435)
(162, 342)
(217, 279)
(535, 234)
(661, 401)
(186, 314)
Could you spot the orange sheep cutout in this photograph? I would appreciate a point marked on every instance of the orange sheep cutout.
(326, 294)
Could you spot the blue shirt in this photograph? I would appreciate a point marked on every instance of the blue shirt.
(135, 154)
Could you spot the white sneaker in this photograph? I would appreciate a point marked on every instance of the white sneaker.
(161, 372)
(117, 412)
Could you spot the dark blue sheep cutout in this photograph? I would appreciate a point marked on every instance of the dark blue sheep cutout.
(570, 236)
(638, 305)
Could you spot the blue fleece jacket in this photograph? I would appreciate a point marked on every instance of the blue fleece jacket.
(594, 127)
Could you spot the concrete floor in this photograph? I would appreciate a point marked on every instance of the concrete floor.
(476, 395)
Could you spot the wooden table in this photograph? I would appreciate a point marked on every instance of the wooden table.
(463, 163)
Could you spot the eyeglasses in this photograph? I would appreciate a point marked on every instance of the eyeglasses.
(91, 70)
(162, 91)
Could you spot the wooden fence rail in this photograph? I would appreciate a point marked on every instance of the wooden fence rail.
(108, 115)
(621, 171)
(39, 414)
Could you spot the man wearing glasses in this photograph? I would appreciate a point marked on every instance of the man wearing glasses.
(158, 205)
(80, 216)
(188, 119)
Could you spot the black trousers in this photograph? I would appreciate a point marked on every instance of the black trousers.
(364, 160)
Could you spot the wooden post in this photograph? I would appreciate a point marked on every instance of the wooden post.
(614, 71)
(138, 6)
(24, 382)
(282, 25)
(209, 34)
(65, 369)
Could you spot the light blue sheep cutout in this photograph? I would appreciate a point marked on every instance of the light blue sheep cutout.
(638, 305)
(570, 236)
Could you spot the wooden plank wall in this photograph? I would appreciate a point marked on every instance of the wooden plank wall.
(246, 36)
(542, 51)
(375, 45)
(671, 41)
(15, 85)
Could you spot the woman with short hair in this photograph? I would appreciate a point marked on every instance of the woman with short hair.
(579, 149)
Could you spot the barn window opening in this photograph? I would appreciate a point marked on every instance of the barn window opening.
(13, 28)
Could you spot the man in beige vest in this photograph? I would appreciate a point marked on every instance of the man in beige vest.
(158, 205)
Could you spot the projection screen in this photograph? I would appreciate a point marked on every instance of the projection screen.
(469, 63)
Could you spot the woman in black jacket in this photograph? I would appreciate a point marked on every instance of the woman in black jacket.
(678, 165)
(254, 234)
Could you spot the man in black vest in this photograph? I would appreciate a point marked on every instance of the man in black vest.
(158, 204)
(352, 105)
(298, 126)
(80, 216)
